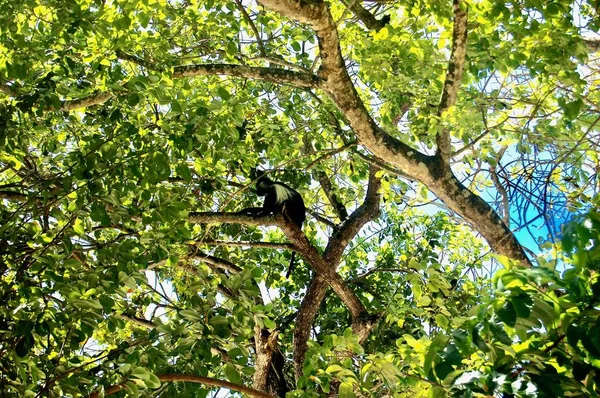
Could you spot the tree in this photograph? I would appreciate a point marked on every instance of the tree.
(425, 138)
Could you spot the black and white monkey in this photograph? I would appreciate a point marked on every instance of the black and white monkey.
(279, 198)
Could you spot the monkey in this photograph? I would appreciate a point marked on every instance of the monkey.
(279, 198)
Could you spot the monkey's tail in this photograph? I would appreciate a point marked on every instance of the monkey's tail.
(292, 265)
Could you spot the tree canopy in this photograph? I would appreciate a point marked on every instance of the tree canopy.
(446, 151)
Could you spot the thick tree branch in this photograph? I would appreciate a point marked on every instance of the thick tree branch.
(436, 175)
(317, 289)
(265, 343)
(453, 75)
(209, 381)
(368, 210)
(94, 99)
(236, 218)
(322, 267)
(297, 237)
(315, 294)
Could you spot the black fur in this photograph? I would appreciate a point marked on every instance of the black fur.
(280, 198)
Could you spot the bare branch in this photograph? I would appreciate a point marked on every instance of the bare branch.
(236, 218)
(330, 154)
(321, 219)
(500, 188)
(281, 62)
(381, 164)
(11, 195)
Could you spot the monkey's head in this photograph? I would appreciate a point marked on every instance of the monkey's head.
(264, 185)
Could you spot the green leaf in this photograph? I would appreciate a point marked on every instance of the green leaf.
(88, 304)
(223, 93)
(184, 172)
(437, 392)
(218, 320)
(232, 49)
(507, 313)
(334, 369)
(346, 391)
(572, 109)
(78, 227)
(191, 315)
(522, 305)
(140, 373)
(232, 374)
(437, 345)
(441, 320)
(500, 333)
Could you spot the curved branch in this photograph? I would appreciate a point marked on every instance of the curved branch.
(209, 381)
(138, 321)
(94, 99)
(368, 210)
(250, 22)
(297, 237)
(218, 262)
(261, 245)
(429, 170)
(330, 154)
(592, 45)
(235, 218)
(453, 75)
(11, 195)
(274, 75)
(317, 289)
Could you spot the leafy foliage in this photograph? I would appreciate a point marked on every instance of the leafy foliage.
(107, 150)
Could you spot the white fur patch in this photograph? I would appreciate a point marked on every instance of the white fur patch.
(282, 193)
